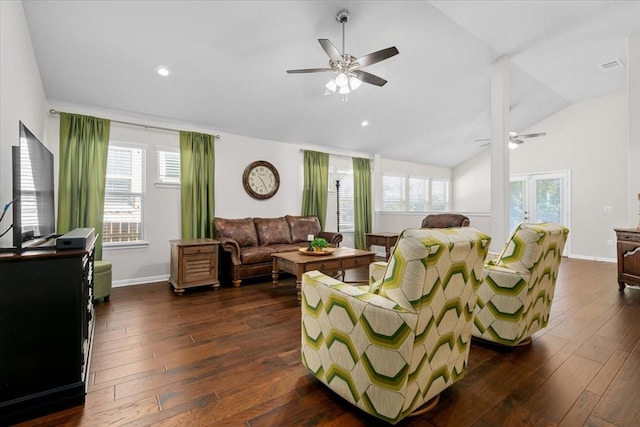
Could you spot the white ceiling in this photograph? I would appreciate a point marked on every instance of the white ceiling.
(228, 62)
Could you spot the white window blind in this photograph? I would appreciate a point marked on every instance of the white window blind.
(168, 165)
(125, 198)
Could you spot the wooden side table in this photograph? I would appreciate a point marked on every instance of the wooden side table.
(381, 239)
(628, 256)
(194, 262)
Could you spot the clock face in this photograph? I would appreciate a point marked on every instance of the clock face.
(261, 180)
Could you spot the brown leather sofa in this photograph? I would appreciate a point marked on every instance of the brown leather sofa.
(247, 243)
(445, 220)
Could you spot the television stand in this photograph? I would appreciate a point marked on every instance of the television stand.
(46, 309)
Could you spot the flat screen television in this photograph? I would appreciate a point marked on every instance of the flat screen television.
(33, 192)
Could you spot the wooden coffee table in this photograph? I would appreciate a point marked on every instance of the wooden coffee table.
(298, 263)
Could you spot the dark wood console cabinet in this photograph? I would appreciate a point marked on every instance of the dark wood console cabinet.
(628, 256)
(46, 327)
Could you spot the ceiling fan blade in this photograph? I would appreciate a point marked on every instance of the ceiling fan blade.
(330, 49)
(516, 141)
(532, 135)
(309, 70)
(363, 76)
(378, 56)
(481, 139)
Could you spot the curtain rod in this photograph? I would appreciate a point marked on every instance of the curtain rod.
(55, 112)
(345, 156)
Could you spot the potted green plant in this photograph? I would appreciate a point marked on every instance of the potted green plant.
(319, 244)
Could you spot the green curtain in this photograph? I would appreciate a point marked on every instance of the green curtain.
(361, 200)
(197, 179)
(84, 146)
(316, 185)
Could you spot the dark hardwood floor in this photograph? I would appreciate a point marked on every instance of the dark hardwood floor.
(232, 357)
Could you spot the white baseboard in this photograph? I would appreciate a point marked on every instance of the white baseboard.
(140, 281)
(590, 258)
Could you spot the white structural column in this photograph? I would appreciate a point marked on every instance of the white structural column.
(633, 94)
(500, 101)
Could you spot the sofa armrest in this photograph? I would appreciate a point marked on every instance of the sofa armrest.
(332, 238)
(232, 247)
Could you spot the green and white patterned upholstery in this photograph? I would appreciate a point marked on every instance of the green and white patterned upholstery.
(390, 347)
(514, 300)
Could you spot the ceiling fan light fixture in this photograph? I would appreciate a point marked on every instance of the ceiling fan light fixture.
(344, 90)
(342, 80)
(512, 145)
(332, 85)
(354, 82)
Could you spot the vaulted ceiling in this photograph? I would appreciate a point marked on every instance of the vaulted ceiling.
(228, 62)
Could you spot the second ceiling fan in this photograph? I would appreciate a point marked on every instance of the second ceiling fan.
(515, 138)
(349, 74)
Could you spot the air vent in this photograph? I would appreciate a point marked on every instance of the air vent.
(611, 64)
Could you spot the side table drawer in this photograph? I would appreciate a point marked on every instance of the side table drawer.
(188, 250)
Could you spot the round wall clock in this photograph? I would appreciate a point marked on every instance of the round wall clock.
(261, 179)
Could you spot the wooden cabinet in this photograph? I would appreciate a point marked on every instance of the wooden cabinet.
(46, 313)
(628, 256)
(194, 262)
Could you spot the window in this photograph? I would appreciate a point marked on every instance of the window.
(341, 169)
(404, 193)
(439, 195)
(168, 165)
(418, 194)
(393, 190)
(124, 200)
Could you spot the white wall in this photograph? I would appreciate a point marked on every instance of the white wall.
(472, 184)
(22, 97)
(590, 140)
(233, 153)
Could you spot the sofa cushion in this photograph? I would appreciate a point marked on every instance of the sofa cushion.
(241, 230)
(272, 231)
(302, 226)
(256, 254)
(288, 247)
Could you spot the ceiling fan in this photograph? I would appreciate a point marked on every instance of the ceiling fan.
(515, 138)
(347, 68)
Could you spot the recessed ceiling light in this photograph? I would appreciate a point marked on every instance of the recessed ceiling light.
(163, 71)
(364, 123)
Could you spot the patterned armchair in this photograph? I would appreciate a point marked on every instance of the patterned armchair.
(391, 347)
(514, 300)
